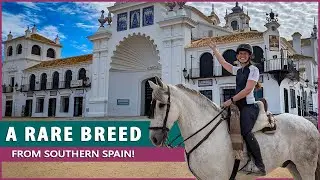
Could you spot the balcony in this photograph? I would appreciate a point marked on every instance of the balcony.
(55, 85)
(281, 68)
(7, 89)
(216, 72)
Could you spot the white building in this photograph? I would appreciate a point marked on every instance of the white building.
(169, 40)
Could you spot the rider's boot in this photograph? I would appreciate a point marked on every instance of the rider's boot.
(253, 146)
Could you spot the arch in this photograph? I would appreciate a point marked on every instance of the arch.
(9, 51)
(230, 56)
(19, 49)
(131, 54)
(32, 82)
(36, 50)
(82, 74)
(206, 65)
(258, 58)
(234, 25)
(51, 53)
(43, 81)
(55, 80)
(68, 79)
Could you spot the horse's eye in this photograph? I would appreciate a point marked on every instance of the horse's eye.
(161, 105)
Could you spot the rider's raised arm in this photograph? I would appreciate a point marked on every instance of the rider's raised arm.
(227, 66)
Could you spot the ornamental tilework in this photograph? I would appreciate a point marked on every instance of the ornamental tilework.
(148, 16)
(122, 22)
(135, 19)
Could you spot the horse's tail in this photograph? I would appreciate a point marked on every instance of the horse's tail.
(318, 167)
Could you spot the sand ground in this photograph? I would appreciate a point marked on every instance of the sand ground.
(107, 170)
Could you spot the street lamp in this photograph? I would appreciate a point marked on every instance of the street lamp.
(307, 81)
(185, 74)
(315, 86)
(16, 87)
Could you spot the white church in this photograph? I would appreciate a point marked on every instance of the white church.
(137, 41)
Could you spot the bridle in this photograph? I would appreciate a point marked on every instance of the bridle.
(165, 131)
(164, 127)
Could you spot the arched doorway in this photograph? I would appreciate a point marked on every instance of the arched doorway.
(146, 97)
(230, 56)
(206, 65)
(134, 61)
(258, 58)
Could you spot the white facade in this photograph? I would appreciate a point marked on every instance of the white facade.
(163, 42)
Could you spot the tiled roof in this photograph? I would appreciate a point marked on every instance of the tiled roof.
(227, 39)
(37, 37)
(300, 56)
(64, 62)
(287, 44)
(304, 42)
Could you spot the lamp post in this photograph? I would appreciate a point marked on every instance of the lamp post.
(315, 86)
(306, 81)
(185, 74)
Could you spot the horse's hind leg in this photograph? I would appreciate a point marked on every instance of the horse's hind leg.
(294, 171)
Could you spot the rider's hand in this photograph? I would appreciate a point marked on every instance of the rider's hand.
(212, 45)
(227, 103)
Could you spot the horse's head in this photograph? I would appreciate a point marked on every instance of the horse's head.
(164, 112)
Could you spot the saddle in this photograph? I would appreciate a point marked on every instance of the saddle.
(265, 122)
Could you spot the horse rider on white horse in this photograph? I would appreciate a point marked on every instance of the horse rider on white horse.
(247, 77)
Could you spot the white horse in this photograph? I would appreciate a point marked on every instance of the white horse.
(295, 144)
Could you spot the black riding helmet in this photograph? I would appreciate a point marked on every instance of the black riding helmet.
(245, 47)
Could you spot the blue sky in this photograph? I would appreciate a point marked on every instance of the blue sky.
(74, 21)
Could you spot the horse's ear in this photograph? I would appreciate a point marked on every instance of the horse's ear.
(158, 81)
(153, 85)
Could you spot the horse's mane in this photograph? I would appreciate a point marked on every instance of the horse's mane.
(201, 97)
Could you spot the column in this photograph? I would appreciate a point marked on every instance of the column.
(176, 34)
(97, 103)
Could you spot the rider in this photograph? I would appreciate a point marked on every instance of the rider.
(247, 77)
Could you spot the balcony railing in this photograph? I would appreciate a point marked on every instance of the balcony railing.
(54, 85)
(281, 64)
(7, 89)
(216, 72)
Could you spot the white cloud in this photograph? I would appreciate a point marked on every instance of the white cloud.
(16, 23)
(51, 32)
(86, 27)
(30, 5)
(82, 47)
(297, 16)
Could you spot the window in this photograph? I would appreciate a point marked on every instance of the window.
(230, 56)
(43, 80)
(55, 82)
(36, 50)
(82, 74)
(210, 33)
(206, 65)
(50, 53)
(207, 93)
(12, 82)
(39, 105)
(258, 58)
(9, 52)
(19, 49)
(68, 78)
(293, 98)
(227, 94)
(64, 104)
(32, 82)
(234, 25)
